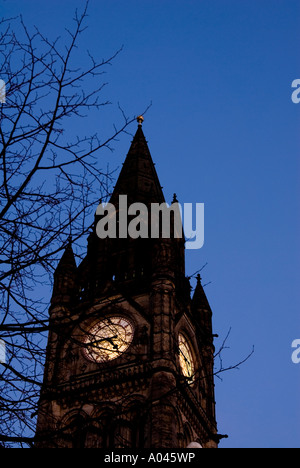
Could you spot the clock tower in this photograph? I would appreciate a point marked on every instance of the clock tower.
(130, 352)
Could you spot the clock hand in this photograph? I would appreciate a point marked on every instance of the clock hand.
(100, 340)
(185, 358)
(188, 364)
(111, 341)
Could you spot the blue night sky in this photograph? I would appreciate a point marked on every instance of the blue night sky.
(222, 131)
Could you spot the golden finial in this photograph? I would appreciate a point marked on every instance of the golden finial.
(140, 120)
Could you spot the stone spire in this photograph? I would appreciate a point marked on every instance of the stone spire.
(138, 178)
(64, 277)
(201, 308)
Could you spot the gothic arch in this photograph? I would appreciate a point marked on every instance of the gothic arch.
(123, 434)
(180, 428)
(102, 420)
(73, 429)
(187, 434)
(132, 422)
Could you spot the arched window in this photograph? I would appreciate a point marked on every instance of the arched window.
(79, 433)
(74, 430)
(124, 435)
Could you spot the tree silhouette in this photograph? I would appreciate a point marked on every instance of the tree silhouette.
(50, 180)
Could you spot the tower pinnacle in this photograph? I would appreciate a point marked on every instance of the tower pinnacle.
(140, 120)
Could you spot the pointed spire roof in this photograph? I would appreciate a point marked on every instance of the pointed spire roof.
(138, 178)
(199, 300)
(67, 260)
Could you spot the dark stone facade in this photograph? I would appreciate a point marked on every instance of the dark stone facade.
(141, 399)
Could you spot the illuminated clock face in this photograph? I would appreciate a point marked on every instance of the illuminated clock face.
(108, 339)
(186, 358)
